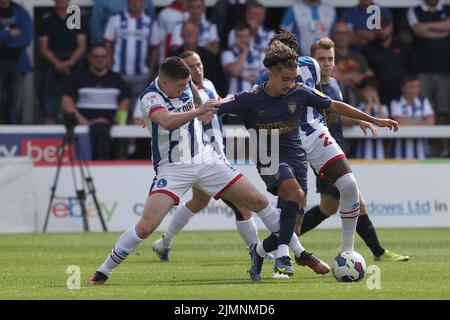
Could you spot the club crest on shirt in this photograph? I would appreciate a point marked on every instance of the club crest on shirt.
(292, 106)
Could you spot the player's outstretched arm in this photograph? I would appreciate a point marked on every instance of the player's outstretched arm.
(351, 112)
(174, 120)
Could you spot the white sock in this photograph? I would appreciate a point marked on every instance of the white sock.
(180, 218)
(248, 231)
(260, 249)
(348, 209)
(271, 218)
(126, 245)
(283, 250)
(296, 245)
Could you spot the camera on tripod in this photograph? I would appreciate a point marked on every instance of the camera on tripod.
(70, 122)
(83, 185)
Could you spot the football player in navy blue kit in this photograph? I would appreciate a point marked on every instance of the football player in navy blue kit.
(283, 107)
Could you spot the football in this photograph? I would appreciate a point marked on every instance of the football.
(349, 266)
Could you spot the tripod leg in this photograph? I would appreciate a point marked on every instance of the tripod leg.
(81, 195)
(55, 183)
(86, 176)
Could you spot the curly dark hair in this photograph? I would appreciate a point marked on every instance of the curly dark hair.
(286, 37)
(280, 55)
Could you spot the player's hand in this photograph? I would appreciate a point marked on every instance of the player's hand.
(391, 124)
(206, 118)
(364, 125)
(208, 106)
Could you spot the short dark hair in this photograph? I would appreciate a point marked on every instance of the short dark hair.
(255, 3)
(186, 54)
(174, 68)
(279, 55)
(242, 25)
(286, 37)
(410, 77)
(96, 46)
(368, 82)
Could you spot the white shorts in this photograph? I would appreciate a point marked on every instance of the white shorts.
(321, 150)
(213, 178)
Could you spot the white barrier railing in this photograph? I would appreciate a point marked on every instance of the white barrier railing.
(235, 131)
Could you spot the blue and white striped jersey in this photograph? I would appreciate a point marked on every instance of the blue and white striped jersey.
(411, 148)
(208, 32)
(183, 145)
(131, 41)
(252, 67)
(213, 130)
(309, 22)
(308, 72)
(257, 42)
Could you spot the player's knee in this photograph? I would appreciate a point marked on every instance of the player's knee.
(347, 186)
(363, 206)
(144, 229)
(258, 202)
(297, 196)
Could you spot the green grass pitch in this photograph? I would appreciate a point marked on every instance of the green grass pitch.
(212, 265)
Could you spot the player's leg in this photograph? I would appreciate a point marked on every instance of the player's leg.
(156, 208)
(180, 219)
(328, 206)
(245, 224)
(339, 173)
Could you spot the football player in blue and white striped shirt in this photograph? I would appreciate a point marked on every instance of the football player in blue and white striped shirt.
(213, 136)
(411, 109)
(182, 161)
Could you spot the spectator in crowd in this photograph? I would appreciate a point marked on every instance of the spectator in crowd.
(309, 20)
(351, 66)
(94, 95)
(242, 65)
(16, 33)
(209, 38)
(62, 48)
(411, 109)
(255, 15)
(225, 14)
(104, 9)
(132, 39)
(391, 59)
(359, 19)
(168, 18)
(371, 104)
(211, 62)
(430, 23)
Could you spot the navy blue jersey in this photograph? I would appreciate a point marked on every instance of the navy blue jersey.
(285, 113)
(334, 122)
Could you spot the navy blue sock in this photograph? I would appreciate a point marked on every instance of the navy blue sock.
(270, 243)
(287, 222)
(311, 219)
(367, 232)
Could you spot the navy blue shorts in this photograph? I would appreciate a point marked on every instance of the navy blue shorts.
(286, 171)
